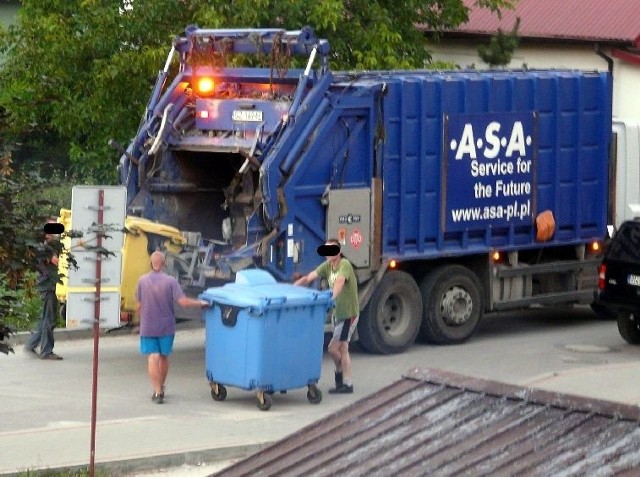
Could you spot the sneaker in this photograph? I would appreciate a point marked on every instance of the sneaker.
(344, 389)
(158, 398)
(51, 356)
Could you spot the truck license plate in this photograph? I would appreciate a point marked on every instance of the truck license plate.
(247, 115)
(633, 280)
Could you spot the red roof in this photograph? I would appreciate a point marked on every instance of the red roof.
(616, 21)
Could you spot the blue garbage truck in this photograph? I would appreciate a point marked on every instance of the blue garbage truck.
(453, 193)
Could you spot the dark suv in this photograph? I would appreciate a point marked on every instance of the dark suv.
(619, 280)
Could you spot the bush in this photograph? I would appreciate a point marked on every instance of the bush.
(21, 232)
(22, 306)
(79, 472)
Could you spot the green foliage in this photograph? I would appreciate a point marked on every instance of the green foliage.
(5, 334)
(19, 224)
(81, 71)
(71, 472)
(21, 307)
(26, 199)
(501, 47)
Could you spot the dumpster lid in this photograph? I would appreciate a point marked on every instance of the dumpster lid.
(254, 276)
(259, 291)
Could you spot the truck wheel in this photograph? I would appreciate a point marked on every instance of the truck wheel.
(629, 327)
(391, 320)
(453, 306)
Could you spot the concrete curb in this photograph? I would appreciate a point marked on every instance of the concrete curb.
(126, 467)
(21, 337)
(62, 334)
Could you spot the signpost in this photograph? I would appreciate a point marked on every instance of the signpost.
(98, 213)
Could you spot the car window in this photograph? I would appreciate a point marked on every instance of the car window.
(626, 243)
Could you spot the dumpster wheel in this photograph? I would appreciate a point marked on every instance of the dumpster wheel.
(314, 395)
(263, 401)
(218, 392)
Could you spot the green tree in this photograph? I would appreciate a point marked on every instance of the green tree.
(500, 49)
(24, 211)
(80, 71)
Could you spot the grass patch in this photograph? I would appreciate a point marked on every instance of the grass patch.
(80, 472)
(22, 307)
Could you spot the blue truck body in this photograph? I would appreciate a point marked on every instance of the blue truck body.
(421, 175)
(549, 128)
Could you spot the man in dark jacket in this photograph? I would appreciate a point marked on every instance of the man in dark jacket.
(48, 277)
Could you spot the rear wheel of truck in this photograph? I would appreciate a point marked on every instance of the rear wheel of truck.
(391, 320)
(629, 327)
(452, 301)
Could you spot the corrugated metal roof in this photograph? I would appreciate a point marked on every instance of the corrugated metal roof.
(433, 422)
(587, 20)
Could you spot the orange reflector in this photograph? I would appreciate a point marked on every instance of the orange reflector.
(205, 86)
(393, 264)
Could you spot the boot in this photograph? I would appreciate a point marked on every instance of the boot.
(340, 388)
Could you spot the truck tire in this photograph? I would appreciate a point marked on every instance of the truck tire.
(391, 320)
(629, 327)
(452, 298)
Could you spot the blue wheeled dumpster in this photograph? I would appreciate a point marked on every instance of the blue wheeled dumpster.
(264, 336)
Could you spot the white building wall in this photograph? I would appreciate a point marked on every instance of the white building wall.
(626, 76)
(626, 100)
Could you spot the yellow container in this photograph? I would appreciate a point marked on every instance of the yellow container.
(136, 249)
(63, 265)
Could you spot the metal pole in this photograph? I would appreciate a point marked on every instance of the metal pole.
(96, 330)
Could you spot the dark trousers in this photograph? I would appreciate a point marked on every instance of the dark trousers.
(43, 334)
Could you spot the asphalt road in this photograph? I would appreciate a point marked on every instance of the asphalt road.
(46, 405)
